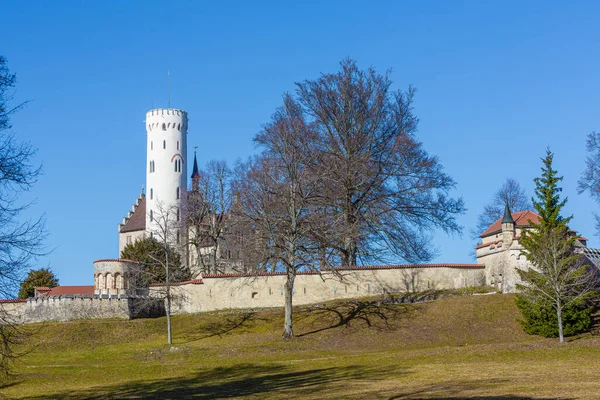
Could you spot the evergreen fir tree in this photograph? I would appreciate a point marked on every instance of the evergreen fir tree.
(559, 281)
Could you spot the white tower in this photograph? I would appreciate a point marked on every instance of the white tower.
(166, 170)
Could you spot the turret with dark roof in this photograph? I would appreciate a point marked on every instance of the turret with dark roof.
(507, 218)
(195, 174)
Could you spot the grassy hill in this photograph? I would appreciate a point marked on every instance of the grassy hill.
(459, 347)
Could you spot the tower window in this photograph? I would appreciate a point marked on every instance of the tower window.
(164, 144)
(151, 195)
(151, 145)
(151, 219)
(151, 166)
(178, 214)
(177, 165)
(164, 127)
(178, 127)
(178, 145)
(177, 193)
(177, 236)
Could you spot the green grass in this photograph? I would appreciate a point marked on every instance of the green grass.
(459, 347)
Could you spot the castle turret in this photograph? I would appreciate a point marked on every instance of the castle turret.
(195, 175)
(508, 227)
(166, 169)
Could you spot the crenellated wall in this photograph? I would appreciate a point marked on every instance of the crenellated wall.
(67, 308)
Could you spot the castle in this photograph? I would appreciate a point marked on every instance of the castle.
(115, 292)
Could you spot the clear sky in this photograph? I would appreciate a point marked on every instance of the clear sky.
(497, 83)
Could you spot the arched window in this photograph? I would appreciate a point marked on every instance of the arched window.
(110, 283)
(101, 282)
(177, 193)
(164, 127)
(119, 281)
(164, 144)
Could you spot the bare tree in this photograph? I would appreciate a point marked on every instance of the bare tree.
(278, 194)
(165, 230)
(209, 214)
(590, 179)
(382, 190)
(21, 240)
(510, 193)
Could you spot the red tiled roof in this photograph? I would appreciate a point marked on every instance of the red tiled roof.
(13, 301)
(60, 290)
(116, 260)
(137, 222)
(521, 218)
(42, 288)
(191, 282)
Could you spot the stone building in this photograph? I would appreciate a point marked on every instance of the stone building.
(501, 252)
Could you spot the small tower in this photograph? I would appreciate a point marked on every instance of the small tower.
(195, 175)
(166, 169)
(508, 227)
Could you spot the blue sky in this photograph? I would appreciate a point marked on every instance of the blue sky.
(497, 83)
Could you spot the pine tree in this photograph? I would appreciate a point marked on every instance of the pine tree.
(559, 280)
(42, 277)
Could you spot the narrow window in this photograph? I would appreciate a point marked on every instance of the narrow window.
(151, 196)
(270, 292)
(150, 166)
(178, 145)
(151, 219)
(334, 288)
(164, 127)
(164, 144)
(178, 214)
(177, 236)
(178, 127)
(304, 289)
(151, 145)
(177, 194)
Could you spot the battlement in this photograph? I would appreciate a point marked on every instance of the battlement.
(166, 111)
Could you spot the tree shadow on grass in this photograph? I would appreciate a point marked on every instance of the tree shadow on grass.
(239, 321)
(227, 382)
(376, 314)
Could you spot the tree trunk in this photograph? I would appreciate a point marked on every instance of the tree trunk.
(288, 331)
(169, 333)
(561, 336)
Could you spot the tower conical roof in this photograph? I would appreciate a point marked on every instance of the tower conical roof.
(507, 215)
(195, 172)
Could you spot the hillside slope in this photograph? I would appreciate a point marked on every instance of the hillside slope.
(460, 347)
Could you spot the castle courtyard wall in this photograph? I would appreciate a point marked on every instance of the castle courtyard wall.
(67, 308)
(217, 292)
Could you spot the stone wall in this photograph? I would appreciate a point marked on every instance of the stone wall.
(66, 308)
(215, 292)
